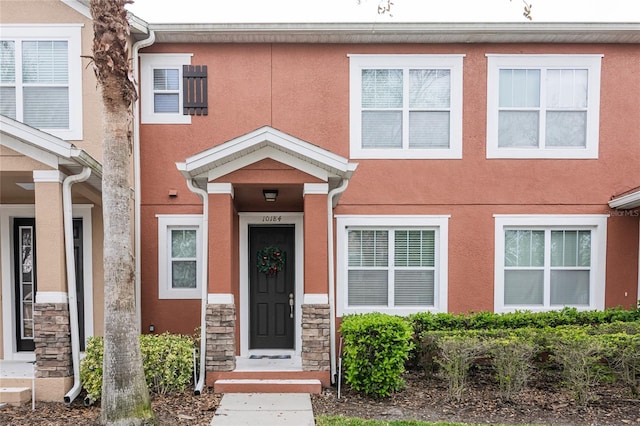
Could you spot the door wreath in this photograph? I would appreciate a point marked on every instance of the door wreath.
(270, 260)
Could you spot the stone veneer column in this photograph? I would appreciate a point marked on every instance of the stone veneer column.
(316, 337)
(221, 338)
(52, 341)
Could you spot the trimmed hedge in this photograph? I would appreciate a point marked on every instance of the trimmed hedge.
(167, 361)
(376, 347)
(588, 347)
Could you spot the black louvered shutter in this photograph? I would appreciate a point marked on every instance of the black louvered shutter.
(194, 85)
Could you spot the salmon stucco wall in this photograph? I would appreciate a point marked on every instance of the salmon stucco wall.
(303, 90)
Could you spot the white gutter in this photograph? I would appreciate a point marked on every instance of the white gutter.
(332, 310)
(136, 175)
(205, 282)
(71, 279)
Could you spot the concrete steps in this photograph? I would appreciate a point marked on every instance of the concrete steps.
(15, 395)
(313, 386)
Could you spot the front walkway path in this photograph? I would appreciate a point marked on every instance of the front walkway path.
(264, 409)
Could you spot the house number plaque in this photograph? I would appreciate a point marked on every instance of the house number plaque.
(271, 219)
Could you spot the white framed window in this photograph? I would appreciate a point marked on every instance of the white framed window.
(393, 264)
(547, 262)
(41, 77)
(406, 106)
(161, 88)
(179, 256)
(543, 106)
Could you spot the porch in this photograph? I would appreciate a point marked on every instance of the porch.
(266, 374)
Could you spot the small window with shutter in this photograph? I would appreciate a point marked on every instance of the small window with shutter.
(194, 83)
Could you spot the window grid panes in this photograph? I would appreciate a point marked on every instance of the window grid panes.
(391, 268)
(34, 82)
(547, 267)
(406, 108)
(541, 108)
(183, 260)
(166, 90)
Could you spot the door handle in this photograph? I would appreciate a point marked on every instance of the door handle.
(291, 305)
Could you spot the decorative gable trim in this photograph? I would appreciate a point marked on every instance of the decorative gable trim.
(266, 142)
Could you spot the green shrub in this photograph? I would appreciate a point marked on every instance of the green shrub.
(580, 355)
(167, 361)
(91, 368)
(623, 355)
(511, 358)
(455, 356)
(376, 347)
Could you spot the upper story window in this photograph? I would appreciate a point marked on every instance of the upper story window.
(543, 106)
(162, 89)
(394, 264)
(40, 78)
(406, 106)
(549, 262)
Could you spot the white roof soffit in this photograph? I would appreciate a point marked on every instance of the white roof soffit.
(266, 142)
(627, 201)
(47, 149)
(527, 32)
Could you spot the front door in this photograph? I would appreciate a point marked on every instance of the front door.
(271, 287)
(24, 238)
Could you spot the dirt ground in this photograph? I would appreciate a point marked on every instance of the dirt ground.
(423, 399)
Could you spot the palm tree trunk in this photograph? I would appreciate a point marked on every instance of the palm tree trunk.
(125, 396)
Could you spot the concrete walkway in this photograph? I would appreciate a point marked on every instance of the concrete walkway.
(264, 409)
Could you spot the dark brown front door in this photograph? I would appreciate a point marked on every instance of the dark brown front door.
(271, 287)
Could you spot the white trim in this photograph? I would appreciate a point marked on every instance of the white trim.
(220, 188)
(149, 62)
(83, 211)
(247, 219)
(78, 7)
(266, 142)
(8, 294)
(451, 62)
(165, 223)
(592, 63)
(315, 188)
(54, 176)
(220, 299)
(72, 34)
(52, 297)
(597, 223)
(440, 223)
(315, 299)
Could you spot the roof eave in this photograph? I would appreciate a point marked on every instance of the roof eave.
(452, 32)
(627, 201)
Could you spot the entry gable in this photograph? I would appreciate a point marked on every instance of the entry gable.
(266, 142)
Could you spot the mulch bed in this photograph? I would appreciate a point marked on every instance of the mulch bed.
(423, 398)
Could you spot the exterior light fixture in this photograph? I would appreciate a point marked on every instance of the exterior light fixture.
(270, 195)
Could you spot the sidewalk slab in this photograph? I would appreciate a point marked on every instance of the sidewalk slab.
(264, 409)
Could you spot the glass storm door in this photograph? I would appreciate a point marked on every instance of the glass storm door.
(24, 237)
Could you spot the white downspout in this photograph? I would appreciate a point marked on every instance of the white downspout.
(332, 310)
(67, 213)
(136, 173)
(205, 282)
